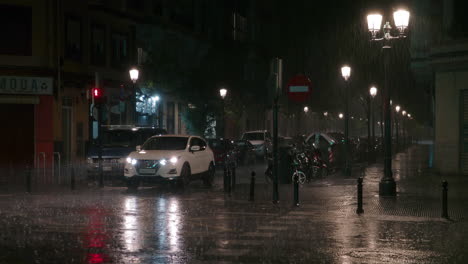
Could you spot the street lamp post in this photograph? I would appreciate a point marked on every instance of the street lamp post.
(222, 93)
(372, 93)
(157, 113)
(346, 73)
(306, 110)
(397, 128)
(410, 138)
(403, 128)
(134, 77)
(387, 185)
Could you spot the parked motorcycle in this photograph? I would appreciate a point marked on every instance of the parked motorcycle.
(319, 166)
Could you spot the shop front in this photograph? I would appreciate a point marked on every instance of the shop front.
(26, 137)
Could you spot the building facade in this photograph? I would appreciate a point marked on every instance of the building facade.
(55, 53)
(440, 62)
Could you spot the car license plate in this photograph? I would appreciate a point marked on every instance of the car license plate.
(106, 168)
(148, 171)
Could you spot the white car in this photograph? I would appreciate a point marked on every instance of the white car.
(261, 140)
(170, 158)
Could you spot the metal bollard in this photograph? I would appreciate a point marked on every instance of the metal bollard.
(233, 176)
(296, 191)
(28, 179)
(444, 199)
(252, 187)
(228, 181)
(359, 209)
(72, 179)
(225, 179)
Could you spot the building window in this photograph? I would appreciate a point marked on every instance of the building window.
(137, 5)
(170, 117)
(183, 13)
(158, 7)
(239, 27)
(119, 49)
(73, 38)
(460, 19)
(16, 28)
(98, 45)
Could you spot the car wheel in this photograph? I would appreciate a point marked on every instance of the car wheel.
(185, 176)
(132, 184)
(209, 176)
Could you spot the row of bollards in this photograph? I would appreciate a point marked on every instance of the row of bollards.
(359, 209)
(252, 187)
(444, 199)
(229, 179)
(296, 191)
(444, 214)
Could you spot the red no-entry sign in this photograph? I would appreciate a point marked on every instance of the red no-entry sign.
(299, 88)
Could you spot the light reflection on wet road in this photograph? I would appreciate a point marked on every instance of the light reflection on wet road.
(201, 225)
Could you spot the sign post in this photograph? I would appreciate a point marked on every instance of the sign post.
(277, 74)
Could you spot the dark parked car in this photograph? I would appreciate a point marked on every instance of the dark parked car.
(117, 142)
(245, 152)
(224, 150)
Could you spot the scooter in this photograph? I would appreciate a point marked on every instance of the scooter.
(319, 166)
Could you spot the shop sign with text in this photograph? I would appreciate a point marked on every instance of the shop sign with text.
(26, 85)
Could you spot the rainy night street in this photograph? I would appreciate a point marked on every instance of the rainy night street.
(164, 224)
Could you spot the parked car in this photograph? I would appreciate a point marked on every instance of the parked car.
(261, 140)
(285, 141)
(117, 141)
(224, 150)
(174, 158)
(245, 152)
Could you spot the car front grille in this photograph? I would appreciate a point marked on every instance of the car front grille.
(143, 166)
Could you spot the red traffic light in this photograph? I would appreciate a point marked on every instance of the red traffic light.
(97, 93)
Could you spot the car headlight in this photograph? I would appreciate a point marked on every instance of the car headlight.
(172, 160)
(131, 161)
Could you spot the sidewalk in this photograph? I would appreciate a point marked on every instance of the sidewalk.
(419, 189)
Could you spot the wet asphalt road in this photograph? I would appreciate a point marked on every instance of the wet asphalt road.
(202, 225)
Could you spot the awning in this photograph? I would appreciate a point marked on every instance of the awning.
(19, 99)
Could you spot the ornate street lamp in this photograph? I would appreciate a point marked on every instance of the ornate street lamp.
(397, 128)
(371, 124)
(222, 93)
(306, 109)
(134, 73)
(346, 73)
(403, 127)
(387, 185)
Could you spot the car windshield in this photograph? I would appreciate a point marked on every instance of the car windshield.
(217, 144)
(118, 138)
(165, 143)
(254, 136)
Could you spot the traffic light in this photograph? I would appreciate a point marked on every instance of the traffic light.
(98, 97)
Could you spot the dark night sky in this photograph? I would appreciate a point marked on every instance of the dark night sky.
(318, 38)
